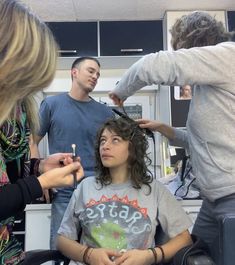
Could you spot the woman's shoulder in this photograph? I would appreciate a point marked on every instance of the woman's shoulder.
(159, 188)
(88, 185)
(56, 100)
(157, 183)
(88, 181)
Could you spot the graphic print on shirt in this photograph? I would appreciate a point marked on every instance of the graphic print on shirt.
(116, 223)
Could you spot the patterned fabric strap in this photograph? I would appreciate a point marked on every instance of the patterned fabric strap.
(14, 145)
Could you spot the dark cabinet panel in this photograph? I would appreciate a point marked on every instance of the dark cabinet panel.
(118, 38)
(180, 154)
(76, 38)
(231, 20)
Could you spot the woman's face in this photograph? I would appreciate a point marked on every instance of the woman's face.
(113, 150)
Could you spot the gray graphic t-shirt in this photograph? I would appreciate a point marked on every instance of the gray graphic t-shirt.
(118, 216)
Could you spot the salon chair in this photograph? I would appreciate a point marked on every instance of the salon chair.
(192, 255)
(40, 256)
(227, 240)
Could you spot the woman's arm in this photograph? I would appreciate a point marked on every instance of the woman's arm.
(174, 245)
(70, 248)
(84, 254)
(14, 197)
(155, 255)
(177, 137)
(169, 68)
(156, 126)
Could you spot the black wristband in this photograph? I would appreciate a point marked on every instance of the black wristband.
(162, 251)
(84, 259)
(154, 254)
(34, 166)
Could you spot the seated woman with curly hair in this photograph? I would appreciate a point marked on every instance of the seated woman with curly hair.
(119, 210)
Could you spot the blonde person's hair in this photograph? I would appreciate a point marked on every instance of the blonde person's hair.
(28, 58)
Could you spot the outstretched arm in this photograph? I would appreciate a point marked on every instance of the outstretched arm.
(14, 197)
(156, 126)
(177, 137)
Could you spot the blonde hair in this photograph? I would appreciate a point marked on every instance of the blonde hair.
(28, 58)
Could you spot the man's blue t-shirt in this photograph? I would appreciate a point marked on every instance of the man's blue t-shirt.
(68, 121)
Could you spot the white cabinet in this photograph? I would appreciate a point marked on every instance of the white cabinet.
(37, 227)
(192, 208)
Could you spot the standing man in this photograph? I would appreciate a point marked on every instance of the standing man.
(73, 118)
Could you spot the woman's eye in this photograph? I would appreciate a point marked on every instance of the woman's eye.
(102, 141)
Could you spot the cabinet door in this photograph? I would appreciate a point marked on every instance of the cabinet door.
(231, 20)
(37, 229)
(192, 208)
(76, 38)
(119, 38)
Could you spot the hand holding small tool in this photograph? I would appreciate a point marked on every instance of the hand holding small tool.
(74, 159)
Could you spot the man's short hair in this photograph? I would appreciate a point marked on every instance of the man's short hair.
(79, 60)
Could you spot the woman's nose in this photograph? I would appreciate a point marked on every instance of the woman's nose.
(106, 145)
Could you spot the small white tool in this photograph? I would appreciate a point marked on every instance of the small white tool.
(74, 174)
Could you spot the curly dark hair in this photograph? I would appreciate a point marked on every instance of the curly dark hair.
(138, 159)
(198, 29)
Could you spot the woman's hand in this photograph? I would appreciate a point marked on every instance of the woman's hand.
(102, 256)
(61, 177)
(55, 161)
(135, 256)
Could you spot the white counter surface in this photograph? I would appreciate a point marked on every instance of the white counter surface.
(35, 207)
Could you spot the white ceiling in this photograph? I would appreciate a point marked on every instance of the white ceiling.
(95, 10)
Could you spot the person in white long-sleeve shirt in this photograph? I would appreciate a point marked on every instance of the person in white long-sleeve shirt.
(204, 57)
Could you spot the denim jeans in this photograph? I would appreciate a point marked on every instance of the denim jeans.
(58, 207)
(206, 225)
(59, 204)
